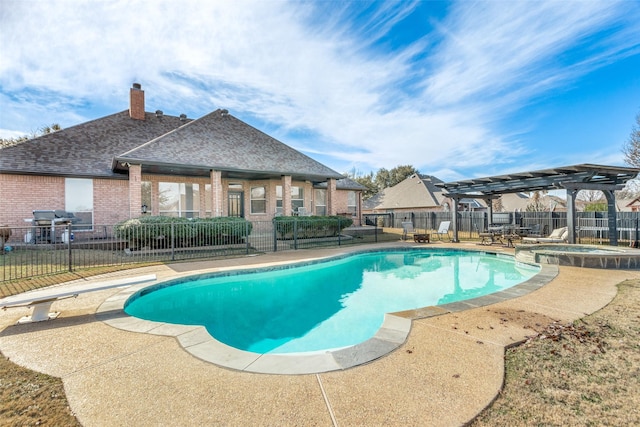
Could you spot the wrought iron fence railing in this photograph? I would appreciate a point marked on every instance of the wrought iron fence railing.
(41, 250)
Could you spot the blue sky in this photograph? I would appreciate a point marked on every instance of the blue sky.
(456, 89)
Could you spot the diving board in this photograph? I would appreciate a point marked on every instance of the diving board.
(42, 300)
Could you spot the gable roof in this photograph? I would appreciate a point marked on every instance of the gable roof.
(87, 149)
(219, 141)
(416, 191)
(163, 144)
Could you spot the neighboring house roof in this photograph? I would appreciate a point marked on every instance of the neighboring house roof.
(627, 204)
(512, 202)
(221, 142)
(473, 203)
(87, 149)
(417, 191)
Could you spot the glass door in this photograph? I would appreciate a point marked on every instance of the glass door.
(236, 204)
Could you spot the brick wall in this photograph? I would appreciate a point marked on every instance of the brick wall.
(110, 201)
(20, 195)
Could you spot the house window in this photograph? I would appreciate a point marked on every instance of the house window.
(297, 198)
(208, 203)
(146, 195)
(78, 199)
(320, 202)
(258, 200)
(179, 199)
(352, 204)
(279, 199)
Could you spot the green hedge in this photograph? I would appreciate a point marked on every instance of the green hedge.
(307, 227)
(156, 231)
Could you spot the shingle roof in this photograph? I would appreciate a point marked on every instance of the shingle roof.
(222, 142)
(417, 191)
(166, 144)
(86, 149)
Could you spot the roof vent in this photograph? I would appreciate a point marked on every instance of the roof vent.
(183, 117)
(224, 113)
(159, 113)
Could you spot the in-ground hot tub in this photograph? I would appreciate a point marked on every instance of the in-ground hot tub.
(590, 256)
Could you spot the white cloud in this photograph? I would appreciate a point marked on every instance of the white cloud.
(298, 72)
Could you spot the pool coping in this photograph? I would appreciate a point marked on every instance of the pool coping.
(618, 258)
(392, 334)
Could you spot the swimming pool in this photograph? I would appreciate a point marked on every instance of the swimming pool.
(324, 305)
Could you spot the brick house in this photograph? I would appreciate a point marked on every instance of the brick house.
(115, 167)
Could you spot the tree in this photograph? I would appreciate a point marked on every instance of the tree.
(631, 148)
(45, 130)
(590, 195)
(496, 204)
(596, 207)
(385, 178)
(536, 204)
(366, 180)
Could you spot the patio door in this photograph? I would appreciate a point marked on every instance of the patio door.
(236, 203)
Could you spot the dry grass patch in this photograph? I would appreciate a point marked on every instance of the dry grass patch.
(29, 398)
(585, 373)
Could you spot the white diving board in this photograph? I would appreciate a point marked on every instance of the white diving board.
(41, 300)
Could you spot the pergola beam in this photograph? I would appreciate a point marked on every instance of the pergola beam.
(571, 178)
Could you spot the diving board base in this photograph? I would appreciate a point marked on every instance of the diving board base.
(40, 313)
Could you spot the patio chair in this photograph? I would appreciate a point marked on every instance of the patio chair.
(535, 231)
(407, 229)
(443, 230)
(302, 211)
(559, 235)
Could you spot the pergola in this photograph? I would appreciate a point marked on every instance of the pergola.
(571, 178)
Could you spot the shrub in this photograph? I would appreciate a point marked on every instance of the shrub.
(305, 227)
(158, 231)
(221, 230)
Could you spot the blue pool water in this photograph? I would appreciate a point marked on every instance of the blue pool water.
(324, 305)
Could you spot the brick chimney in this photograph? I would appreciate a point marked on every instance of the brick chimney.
(136, 102)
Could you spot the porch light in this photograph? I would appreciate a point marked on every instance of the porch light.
(144, 209)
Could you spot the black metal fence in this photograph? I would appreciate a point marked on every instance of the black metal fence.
(41, 250)
(591, 227)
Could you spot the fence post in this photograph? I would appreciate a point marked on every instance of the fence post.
(246, 235)
(295, 234)
(275, 235)
(339, 231)
(68, 231)
(173, 241)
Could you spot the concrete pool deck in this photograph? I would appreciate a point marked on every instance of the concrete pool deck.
(450, 367)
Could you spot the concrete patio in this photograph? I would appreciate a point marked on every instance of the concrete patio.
(450, 367)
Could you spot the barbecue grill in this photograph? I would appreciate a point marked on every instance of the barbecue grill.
(45, 222)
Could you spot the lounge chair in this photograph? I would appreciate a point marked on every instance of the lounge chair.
(559, 235)
(407, 229)
(443, 230)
